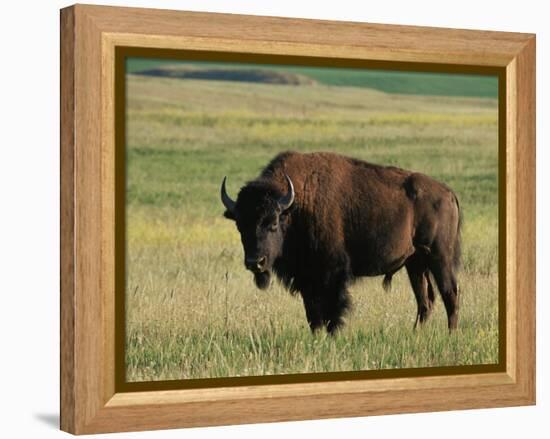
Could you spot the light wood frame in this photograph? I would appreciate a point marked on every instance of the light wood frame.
(89, 36)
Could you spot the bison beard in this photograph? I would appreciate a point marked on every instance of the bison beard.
(320, 220)
(262, 279)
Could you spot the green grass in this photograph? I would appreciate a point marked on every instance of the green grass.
(418, 83)
(193, 310)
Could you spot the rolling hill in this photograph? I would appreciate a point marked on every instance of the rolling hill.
(415, 83)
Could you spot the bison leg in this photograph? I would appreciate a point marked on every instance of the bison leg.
(314, 313)
(431, 294)
(423, 291)
(326, 300)
(335, 305)
(335, 300)
(448, 287)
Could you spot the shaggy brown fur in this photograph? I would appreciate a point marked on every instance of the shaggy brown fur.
(349, 218)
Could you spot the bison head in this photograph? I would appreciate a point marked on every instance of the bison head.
(261, 215)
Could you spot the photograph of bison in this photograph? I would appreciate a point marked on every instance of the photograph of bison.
(319, 220)
(296, 219)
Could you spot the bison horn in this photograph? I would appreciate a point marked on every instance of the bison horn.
(286, 201)
(226, 200)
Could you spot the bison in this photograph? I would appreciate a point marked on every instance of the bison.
(320, 220)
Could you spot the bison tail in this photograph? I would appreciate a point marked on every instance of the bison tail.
(457, 247)
(387, 282)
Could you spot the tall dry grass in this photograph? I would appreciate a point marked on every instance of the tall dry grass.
(192, 309)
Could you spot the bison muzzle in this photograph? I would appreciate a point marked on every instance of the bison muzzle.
(320, 220)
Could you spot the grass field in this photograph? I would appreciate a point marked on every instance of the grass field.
(192, 309)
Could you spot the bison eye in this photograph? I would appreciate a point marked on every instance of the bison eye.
(273, 226)
(270, 224)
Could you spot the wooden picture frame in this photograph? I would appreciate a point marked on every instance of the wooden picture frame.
(91, 402)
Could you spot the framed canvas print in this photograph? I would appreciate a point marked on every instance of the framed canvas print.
(269, 219)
